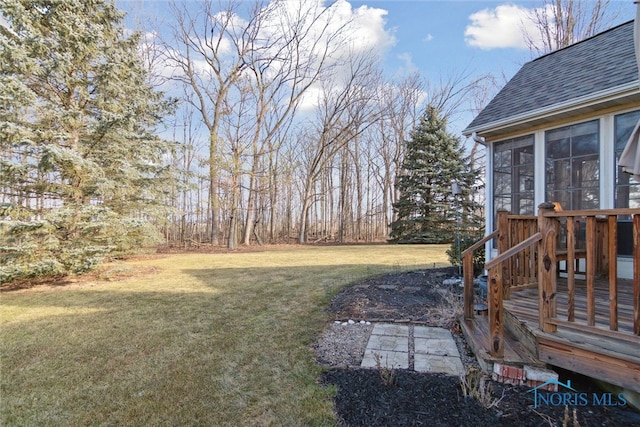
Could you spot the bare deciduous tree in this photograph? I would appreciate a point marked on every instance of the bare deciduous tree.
(209, 60)
(294, 55)
(267, 61)
(560, 23)
(345, 111)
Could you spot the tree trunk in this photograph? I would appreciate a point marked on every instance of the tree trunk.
(250, 218)
(214, 201)
(304, 213)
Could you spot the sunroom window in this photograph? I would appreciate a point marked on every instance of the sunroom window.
(627, 189)
(513, 176)
(573, 166)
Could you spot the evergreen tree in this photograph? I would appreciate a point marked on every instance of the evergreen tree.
(80, 167)
(427, 211)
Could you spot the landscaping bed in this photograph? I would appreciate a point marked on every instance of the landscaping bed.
(367, 397)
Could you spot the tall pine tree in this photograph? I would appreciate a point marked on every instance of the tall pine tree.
(427, 211)
(80, 167)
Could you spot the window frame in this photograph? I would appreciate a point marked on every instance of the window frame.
(575, 162)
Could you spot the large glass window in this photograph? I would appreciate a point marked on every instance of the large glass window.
(573, 166)
(513, 176)
(627, 187)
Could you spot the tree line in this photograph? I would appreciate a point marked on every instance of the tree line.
(244, 124)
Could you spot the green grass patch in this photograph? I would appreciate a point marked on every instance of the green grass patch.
(198, 339)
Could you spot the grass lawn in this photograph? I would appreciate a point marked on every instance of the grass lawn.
(205, 339)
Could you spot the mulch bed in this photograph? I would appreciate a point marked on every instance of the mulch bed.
(409, 296)
(365, 398)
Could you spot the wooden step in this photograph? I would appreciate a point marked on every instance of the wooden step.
(518, 328)
(516, 354)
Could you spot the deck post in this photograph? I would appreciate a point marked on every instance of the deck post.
(547, 268)
(612, 265)
(496, 315)
(592, 249)
(504, 243)
(467, 271)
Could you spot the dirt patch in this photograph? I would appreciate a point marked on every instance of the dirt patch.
(110, 272)
(416, 296)
(366, 397)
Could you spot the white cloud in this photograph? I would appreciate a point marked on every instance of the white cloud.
(407, 60)
(362, 30)
(363, 27)
(369, 29)
(502, 27)
(428, 37)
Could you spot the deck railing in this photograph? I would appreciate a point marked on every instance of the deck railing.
(467, 268)
(529, 250)
(598, 229)
(521, 269)
(496, 291)
(518, 271)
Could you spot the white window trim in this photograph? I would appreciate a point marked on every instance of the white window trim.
(607, 162)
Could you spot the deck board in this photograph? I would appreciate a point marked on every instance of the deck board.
(524, 302)
(598, 352)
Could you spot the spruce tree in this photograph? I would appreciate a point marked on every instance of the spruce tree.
(81, 169)
(427, 211)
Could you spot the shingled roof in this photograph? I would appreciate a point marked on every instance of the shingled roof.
(594, 65)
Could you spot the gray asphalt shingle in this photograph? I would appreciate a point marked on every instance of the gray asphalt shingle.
(599, 63)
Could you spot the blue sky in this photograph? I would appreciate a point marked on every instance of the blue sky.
(436, 38)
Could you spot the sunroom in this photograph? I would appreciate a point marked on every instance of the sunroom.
(562, 216)
(556, 132)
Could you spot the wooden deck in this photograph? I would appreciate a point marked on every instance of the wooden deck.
(610, 356)
(594, 351)
(524, 304)
(590, 326)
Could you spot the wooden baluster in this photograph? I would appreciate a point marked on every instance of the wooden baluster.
(636, 274)
(534, 251)
(604, 247)
(571, 264)
(547, 268)
(531, 252)
(496, 325)
(504, 243)
(591, 269)
(519, 259)
(527, 253)
(467, 270)
(612, 261)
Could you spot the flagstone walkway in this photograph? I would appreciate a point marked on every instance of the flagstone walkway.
(417, 348)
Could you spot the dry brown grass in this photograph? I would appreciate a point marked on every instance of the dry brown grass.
(197, 339)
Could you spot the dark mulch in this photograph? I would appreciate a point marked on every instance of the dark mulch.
(418, 399)
(410, 296)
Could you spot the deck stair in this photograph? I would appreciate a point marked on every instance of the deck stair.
(518, 366)
(556, 297)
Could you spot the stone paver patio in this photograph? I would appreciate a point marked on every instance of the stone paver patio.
(421, 348)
